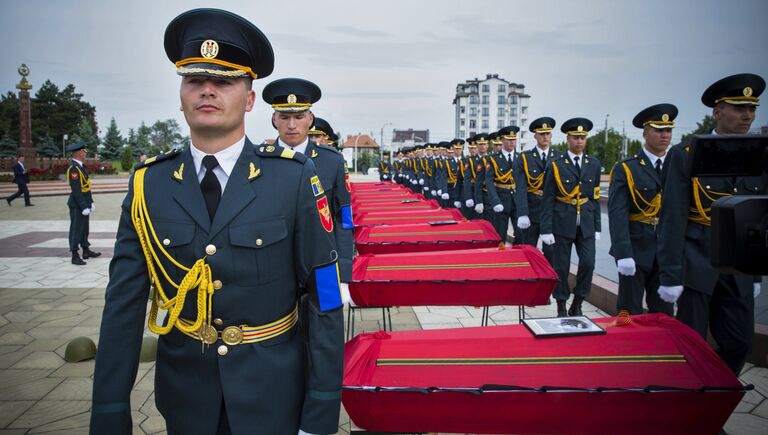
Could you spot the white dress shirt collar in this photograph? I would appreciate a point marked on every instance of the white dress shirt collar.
(652, 157)
(300, 148)
(78, 162)
(226, 158)
(580, 156)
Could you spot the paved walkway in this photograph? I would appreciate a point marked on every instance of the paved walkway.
(45, 301)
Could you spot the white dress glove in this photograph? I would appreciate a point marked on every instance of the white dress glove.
(385, 176)
(413, 182)
(626, 266)
(757, 289)
(597, 236)
(93, 207)
(498, 208)
(470, 203)
(548, 239)
(457, 204)
(479, 208)
(444, 196)
(421, 181)
(301, 432)
(440, 192)
(523, 222)
(345, 296)
(670, 293)
(433, 192)
(86, 212)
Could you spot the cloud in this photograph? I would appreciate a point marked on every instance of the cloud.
(362, 33)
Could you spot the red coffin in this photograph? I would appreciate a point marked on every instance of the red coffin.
(386, 196)
(364, 207)
(372, 187)
(399, 239)
(478, 277)
(407, 217)
(651, 376)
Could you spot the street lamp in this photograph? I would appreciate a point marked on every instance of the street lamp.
(63, 140)
(381, 148)
(354, 155)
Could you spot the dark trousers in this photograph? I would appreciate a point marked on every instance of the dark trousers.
(530, 236)
(223, 428)
(729, 315)
(585, 249)
(23, 190)
(631, 289)
(78, 229)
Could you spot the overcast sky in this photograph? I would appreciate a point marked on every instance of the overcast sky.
(399, 61)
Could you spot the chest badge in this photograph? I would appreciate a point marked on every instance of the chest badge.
(177, 174)
(314, 153)
(253, 172)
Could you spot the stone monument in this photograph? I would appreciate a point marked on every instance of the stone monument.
(26, 148)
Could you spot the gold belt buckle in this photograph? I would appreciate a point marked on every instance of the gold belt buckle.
(232, 335)
(208, 334)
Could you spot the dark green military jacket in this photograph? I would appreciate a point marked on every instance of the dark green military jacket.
(633, 207)
(269, 246)
(80, 187)
(559, 216)
(529, 181)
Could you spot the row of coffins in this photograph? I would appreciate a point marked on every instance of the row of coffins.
(647, 374)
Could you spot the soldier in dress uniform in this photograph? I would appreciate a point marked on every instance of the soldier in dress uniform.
(292, 99)
(502, 169)
(440, 174)
(529, 181)
(485, 193)
(231, 237)
(634, 203)
(707, 299)
(470, 176)
(570, 214)
(454, 171)
(80, 205)
(496, 142)
(397, 167)
(385, 168)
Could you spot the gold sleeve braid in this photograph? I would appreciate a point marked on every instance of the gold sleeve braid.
(198, 276)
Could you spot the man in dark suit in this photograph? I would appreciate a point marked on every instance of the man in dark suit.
(570, 214)
(21, 178)
(502, 168)
(707, 299)
(634, 204)
(236, 242)
(529, 181)
(80, 205)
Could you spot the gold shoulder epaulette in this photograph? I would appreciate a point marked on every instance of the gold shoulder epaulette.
(158, 158)
(278, 151)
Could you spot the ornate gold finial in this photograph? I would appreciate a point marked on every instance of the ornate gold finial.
(24, 85)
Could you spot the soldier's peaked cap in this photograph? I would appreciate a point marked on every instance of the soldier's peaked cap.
(576, 126)
(321, 127)
(657, 116)
(218, 43)
(509, 132)
(291, 94)
(75, 146)
(542, 125)
(739, 89)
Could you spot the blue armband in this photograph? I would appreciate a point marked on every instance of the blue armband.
(346, 218)
(328, 287)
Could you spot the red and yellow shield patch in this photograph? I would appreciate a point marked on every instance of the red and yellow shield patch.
(74, 175)
(346, 183)
(325, 213)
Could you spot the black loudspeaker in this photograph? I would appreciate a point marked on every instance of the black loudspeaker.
(740, 235)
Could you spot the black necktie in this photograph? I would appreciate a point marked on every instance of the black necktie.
(509, 159)
(210, 186)
(544, 158)
(576, 163)
(658, 167)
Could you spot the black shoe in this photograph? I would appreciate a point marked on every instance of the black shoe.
(87, 253)
(29, 205)
(561, 311)
(575, 309)
(8, 201)
(76, 260)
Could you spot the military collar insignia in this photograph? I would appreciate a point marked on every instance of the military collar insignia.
(314, 153)
(642, 162)
(253, 172)
(178, 174)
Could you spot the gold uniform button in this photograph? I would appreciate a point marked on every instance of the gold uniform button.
(210, 249)
(217, 284)
(222, 350)
(259, 242)
(218, 322)
(166, 242)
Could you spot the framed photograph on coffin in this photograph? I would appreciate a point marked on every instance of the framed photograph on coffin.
(562, 326)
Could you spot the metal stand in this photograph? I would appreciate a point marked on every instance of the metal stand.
(386, 319)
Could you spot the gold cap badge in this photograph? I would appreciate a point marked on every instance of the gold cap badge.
(580, 128)
(209, 49)
(747, 91)
(665, 117)
(291, 99)
(544, 125)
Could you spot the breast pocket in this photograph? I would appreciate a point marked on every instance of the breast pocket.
(175, 237)
(261, 251)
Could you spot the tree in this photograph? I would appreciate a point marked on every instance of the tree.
(9, 115)
(56, 112)
(113, 142)
(165, 135)
(704, 127)
(46, 147)
(127, 159)
(86, 134)
(8, 147)
(143, 143)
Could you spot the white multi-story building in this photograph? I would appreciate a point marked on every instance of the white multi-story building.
(486, 105)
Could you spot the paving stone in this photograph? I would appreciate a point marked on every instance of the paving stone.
(72, 389)
(153, 424)
(13, 431)
(9, 378)
(761, 410)
(471, 322)
(49, 411)
(40, 360)
(82, 369)
(21, 316)
(76, 424)
(148, 408)
(457, 312)
(9, 349)
(432, 318)
(43, 345)
(746, 424)
(758, 377)
(15, 338)
(753, 397)
(447, 325)
(507, 314)
(12, 409)
(10, 359)
(34, 390)
(140, 399)
(47, 333)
